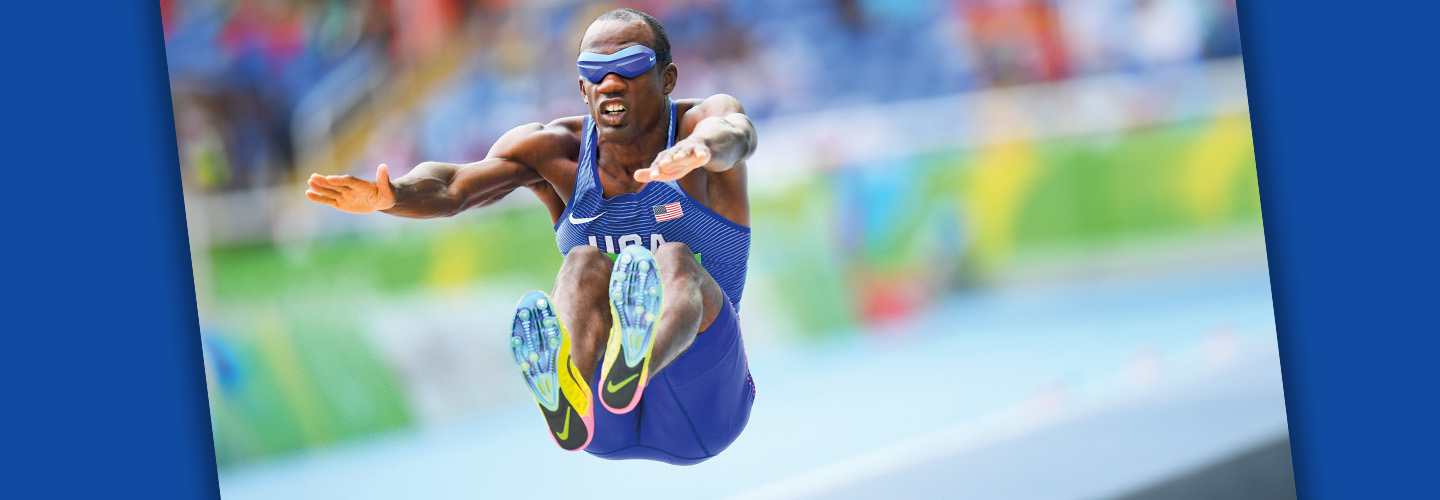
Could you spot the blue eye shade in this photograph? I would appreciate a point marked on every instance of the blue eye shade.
(628, 63)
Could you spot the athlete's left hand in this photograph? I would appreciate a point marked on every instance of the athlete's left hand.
(675, 162)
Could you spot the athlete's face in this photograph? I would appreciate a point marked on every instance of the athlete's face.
(624, 108)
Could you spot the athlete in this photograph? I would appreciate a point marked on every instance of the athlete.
(636, 353)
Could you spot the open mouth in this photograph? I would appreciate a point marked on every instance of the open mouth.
(612, 112)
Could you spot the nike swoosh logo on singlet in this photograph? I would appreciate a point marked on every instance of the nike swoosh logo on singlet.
(573, 220)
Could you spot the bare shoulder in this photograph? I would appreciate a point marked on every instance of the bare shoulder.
(693, 110)
(536, 144)
(715, 105)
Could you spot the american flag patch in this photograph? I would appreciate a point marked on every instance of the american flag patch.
(667, 212)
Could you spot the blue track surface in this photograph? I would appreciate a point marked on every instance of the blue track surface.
(1098, 388)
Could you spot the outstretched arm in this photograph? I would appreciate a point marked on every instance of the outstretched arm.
(722, 139)
(435, 189)
(351, 194)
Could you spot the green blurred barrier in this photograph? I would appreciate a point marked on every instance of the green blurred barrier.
(845, 247)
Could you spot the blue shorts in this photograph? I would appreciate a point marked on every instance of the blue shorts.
(691, 410)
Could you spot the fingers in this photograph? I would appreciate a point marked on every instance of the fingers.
(675, 162)
(382, 179)
(699, 156)
(317, 180)
(353, 195)
(319, 186)
(333, 182)
(643, 175)
(342, 182)
(320, 198)
(321, 191)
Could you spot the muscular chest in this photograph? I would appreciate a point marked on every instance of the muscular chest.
(613, 185)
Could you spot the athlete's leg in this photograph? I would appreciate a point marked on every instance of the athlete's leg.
(659, 301)
(674, 359)
(692, 302)
(580, 300)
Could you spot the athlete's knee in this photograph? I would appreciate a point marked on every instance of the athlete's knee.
(679, 270)
(583, 276)
(584, 253)
(675, 257)
(585, 261)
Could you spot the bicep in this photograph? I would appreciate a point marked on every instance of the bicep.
(510, 164)
(488, 180)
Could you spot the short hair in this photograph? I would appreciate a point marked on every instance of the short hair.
(662, 40)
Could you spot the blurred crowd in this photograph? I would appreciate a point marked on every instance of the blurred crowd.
(308, 343)
(265, 90)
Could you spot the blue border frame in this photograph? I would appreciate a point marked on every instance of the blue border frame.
(103, 376)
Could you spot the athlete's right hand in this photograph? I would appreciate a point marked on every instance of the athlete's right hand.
(349, 194)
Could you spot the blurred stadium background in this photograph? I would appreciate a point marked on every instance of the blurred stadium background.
(1006, 248)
